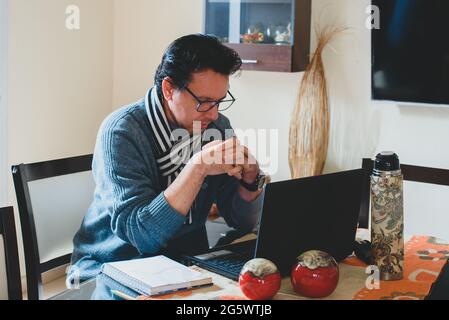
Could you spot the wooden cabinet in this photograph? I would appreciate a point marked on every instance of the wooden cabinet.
(269, 35)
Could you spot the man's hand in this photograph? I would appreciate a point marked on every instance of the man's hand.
(250, 168)
(219, 157)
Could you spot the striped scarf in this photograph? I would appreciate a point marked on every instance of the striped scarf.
(174, 151)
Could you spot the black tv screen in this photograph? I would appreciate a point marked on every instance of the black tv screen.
(410, 51)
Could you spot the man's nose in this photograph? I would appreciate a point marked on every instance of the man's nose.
(212, 114)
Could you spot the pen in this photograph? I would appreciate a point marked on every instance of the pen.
(122, 295)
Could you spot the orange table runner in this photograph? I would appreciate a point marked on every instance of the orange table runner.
(425, 257)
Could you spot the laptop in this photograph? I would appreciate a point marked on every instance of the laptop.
(298, 215)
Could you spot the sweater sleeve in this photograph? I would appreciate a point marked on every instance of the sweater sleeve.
(237, 212)
(127, 182)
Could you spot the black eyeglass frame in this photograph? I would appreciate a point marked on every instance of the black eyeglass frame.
(215, 102)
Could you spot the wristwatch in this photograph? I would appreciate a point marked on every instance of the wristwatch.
(260, 182)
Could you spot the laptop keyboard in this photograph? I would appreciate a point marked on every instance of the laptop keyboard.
(225, 263)
(227, 260)
(232, 264)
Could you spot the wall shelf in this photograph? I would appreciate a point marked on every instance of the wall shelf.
(269, 35)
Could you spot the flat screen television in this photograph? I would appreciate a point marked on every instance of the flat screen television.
(410, 52)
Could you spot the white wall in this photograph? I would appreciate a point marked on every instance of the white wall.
(3, 100)
(359, 127)
(60, 81)
(142, 31)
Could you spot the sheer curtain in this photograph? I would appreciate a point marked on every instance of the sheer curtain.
(3, 105)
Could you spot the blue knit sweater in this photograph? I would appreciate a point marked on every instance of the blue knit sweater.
(129, 216)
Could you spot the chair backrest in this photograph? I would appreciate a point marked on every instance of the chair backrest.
(412, 174)
(10, 281)
(53, 197)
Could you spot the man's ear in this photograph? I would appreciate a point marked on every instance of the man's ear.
(167, 88)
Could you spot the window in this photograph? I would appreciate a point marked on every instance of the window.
(3, 106)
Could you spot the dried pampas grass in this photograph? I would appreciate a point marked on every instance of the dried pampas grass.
(309, 127)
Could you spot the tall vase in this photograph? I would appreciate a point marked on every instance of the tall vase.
(309, 127)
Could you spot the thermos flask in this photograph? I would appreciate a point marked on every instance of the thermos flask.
(387, 216)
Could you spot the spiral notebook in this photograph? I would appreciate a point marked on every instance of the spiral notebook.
(155, 275)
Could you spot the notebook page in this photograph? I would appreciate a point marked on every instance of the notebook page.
(157, 272)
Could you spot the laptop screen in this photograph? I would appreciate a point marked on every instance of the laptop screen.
(315, 213)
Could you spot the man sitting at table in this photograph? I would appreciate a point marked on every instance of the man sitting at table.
(153, 191)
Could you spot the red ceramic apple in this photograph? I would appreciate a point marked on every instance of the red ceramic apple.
(260, 279)
(315, 274)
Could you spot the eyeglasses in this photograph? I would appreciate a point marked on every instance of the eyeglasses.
(206, 105)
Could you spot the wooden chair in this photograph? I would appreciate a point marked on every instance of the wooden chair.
(53, 197)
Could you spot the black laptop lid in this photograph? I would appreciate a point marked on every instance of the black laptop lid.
(310, 213)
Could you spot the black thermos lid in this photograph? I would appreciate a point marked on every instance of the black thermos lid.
(387, 161)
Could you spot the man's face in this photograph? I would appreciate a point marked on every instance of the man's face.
(206, 85)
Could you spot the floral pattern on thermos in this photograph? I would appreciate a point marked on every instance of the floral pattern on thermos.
(387, 225)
